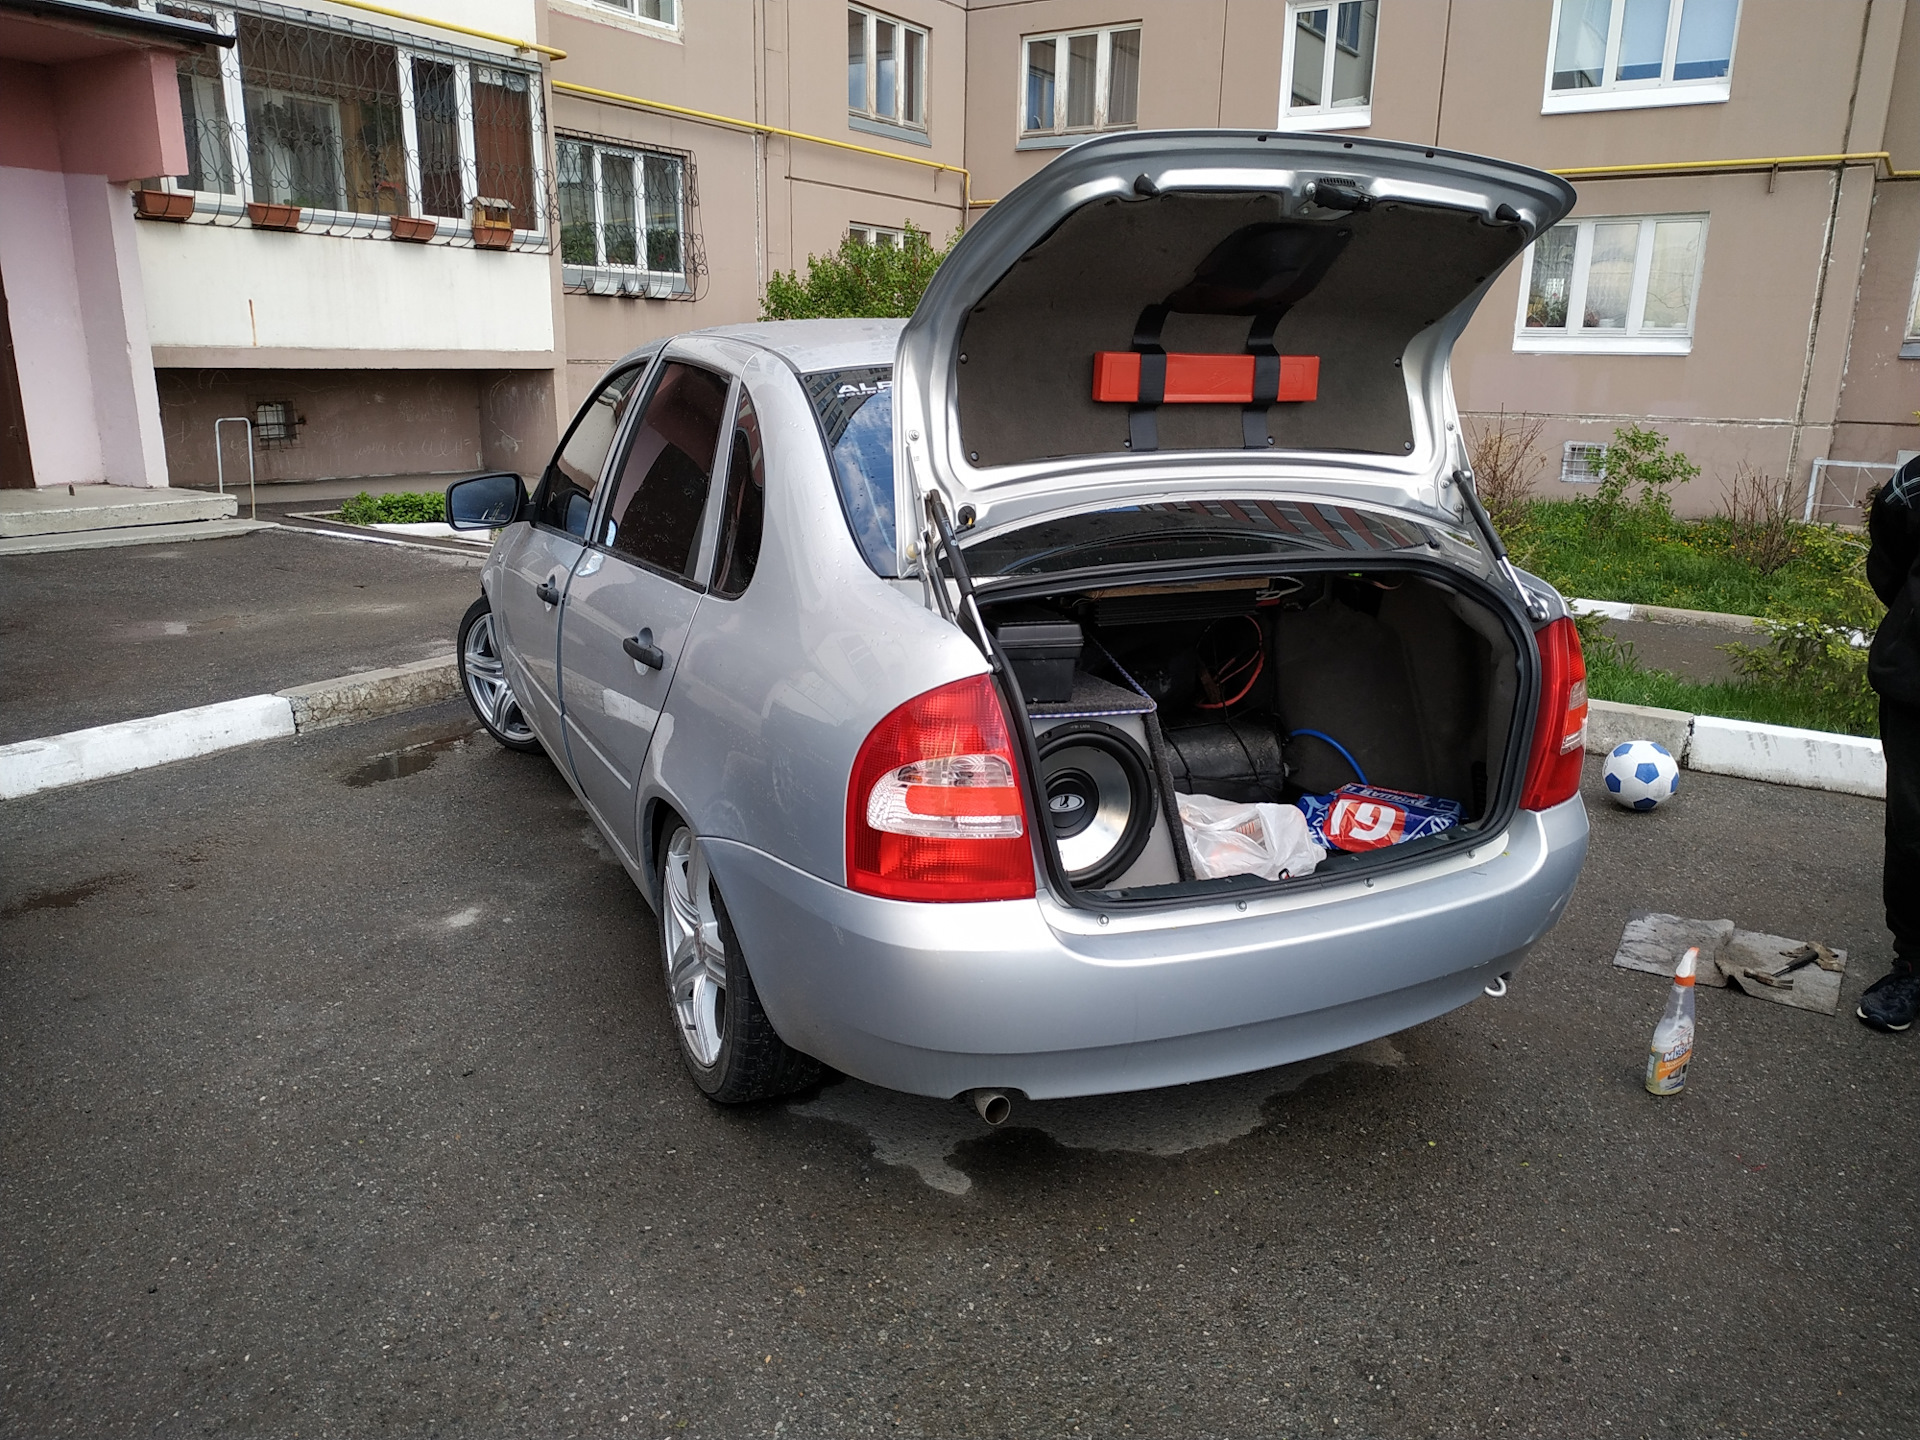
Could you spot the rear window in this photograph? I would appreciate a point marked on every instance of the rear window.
(855, 410)
(1181, 530)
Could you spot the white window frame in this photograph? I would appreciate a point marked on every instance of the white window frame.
(626, 14)
(1910, 345)
(1324, 116)
(878, 235)
(1632, 340)
(871, 111)
(605, 277)
(1612, 94)
(1060, 134)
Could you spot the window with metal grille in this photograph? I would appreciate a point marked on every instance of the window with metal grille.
(349, 120)
(275, 422)
(623, 215)
(1580, 462)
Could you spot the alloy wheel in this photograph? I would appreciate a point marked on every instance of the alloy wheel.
(487, 686)
(696, 960)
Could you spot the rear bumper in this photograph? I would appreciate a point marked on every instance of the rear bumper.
(1035, 997)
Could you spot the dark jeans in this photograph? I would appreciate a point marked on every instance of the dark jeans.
(1900, 881)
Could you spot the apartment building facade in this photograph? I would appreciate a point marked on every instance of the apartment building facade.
(1761, 314)
(1743, 268)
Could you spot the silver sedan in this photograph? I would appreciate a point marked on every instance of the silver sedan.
(1106, 679)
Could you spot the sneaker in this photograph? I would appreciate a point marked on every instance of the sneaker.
(1892, 1001)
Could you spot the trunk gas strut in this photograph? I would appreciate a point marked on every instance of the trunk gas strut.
(1533, 604)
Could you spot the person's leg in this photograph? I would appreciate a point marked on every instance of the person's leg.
(1893, 1002)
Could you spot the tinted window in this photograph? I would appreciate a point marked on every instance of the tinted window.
(664, 476)
(566, 492)
(855, 408)
(745, 509)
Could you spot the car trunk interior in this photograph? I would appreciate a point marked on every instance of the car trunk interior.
(1268, 687)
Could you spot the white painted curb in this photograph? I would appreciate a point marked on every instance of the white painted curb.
(1786, 756)
(82, 755)
(30, 766)
(1777, 754)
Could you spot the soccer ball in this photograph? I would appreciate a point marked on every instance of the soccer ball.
(1641, 774)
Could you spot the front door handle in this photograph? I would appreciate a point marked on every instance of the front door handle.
(642, 649)
(548, 591)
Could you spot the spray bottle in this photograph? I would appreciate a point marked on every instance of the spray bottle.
(1673, 1037)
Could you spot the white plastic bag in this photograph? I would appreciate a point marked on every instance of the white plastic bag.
(1225, 837)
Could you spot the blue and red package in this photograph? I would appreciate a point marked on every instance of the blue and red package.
(1370, 817)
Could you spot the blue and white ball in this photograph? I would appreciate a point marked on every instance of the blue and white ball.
(1641, 774)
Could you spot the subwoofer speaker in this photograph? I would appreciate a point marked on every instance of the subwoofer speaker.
(1100, 798)
(1103, 803)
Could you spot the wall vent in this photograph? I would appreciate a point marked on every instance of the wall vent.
(1580, 462)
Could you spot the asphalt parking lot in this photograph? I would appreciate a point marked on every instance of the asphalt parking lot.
(96, 636)
(339, 1099)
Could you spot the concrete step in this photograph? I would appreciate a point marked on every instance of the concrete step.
(58, 511)
(130, 535)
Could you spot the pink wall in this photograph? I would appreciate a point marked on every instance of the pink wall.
(113, 115)
(49, 331)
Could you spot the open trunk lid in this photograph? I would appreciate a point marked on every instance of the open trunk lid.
(1227, 276)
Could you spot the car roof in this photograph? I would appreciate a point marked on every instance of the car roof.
(809, 345)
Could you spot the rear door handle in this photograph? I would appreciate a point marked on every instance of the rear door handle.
(548, 591)
(642, 649)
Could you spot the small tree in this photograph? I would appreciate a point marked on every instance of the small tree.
(858, 280)
(1639, 459)
(1506, 458)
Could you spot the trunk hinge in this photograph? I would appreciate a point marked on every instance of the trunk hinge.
(1531, 602)
(937, 539)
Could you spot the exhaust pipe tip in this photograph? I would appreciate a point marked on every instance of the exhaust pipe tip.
(994, 1106)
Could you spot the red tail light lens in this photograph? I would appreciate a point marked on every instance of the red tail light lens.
(934, 805)
(1560, 731)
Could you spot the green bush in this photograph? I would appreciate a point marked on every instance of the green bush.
(408, 507)
(1637, 474)
(857, 281)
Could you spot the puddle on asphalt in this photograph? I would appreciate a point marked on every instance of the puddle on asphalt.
(411, 761)
(60, 899)
(923, 1133)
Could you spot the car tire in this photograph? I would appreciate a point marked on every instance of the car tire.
(483, 680)
(729, 1045)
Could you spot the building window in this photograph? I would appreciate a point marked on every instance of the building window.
(886, 69)
(1080, 82)
(1626, 54)
(622, 219)
(1580, 462)
(663, 11)
(348, 123)
(877, 235)
(275, 422)
(1329, 65)
(1626, 284)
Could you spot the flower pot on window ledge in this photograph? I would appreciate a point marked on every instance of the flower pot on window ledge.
(161, 205)
(413, 228)
(273, 217)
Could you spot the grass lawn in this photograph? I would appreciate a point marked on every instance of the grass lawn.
(1607, 679)
(1645, 561)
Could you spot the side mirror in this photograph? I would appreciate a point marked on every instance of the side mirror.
(485, 502)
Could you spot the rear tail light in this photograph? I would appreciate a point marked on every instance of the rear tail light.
(934, 806)
(1560, 731)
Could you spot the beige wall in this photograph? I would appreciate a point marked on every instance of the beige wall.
(766, 202)
(357, 422)
(1807, 273)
